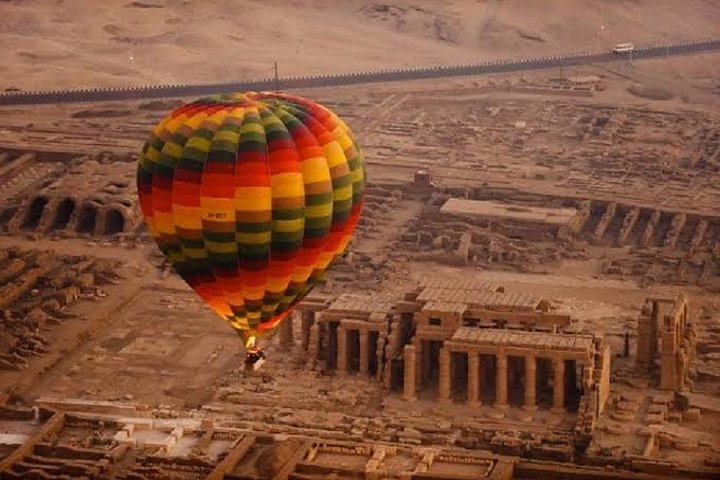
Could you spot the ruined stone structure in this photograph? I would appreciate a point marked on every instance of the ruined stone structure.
(666, 336)
(480, 344)
(528, 222)
(492, 364)
(92, 439)
(91, 198)
(351, 333)
(466, 340)
(305, 312)
(422, 185)
(35, 289)
(127, 442)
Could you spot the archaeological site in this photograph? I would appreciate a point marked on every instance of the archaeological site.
(532, 290)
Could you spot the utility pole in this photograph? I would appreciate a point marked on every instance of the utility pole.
(277, 80)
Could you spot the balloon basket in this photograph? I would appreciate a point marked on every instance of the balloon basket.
(254, 359)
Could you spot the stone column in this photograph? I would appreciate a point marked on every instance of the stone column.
(558, 385)
(473, 395)
(409, 373)
(444, 382)
(307, 319)
(364, 353)
(530, 383)
(313, 344)
(501, 372)
(587, 378)
(341, 349)
(286, 331)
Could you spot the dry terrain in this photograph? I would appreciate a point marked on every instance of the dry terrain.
(592, 188)
(51, 44)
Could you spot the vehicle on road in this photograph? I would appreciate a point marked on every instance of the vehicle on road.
(623, 48)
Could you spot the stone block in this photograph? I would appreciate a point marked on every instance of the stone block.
(692, 415)
(615, 429)
(675, 417)
(665, 440)
(685, 444)
(657, 409)
(623, 416)
(653, 419)
(626, 406)
(662, 399)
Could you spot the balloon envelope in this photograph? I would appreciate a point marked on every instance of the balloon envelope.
(250, 197)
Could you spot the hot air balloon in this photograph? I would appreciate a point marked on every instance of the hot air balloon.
(250, 197)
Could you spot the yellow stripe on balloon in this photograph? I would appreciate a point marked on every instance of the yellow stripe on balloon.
(196, 120)
(227, 136)
(254, 127)
(277, 284)
(334, 153)
(221, 247)
(152, 155)
(175, 257)
(288, 226)
(343, 193)
(164, 222)
(357, 175)
(287, 185)
(254, 294)
(199, 143)
(187, 217)
(218, 116)
(195, 253)
(259, 238)
(301, 273)
(253, 199)
(315, 170)
(324, 260)
(319, 210)
(217, 209)
(343, 140)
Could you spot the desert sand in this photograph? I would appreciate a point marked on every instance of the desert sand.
(94, 323)
(50, 44)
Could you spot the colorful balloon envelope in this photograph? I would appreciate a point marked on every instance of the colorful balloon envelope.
(250, 197)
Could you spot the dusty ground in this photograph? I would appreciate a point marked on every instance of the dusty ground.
(150, 341)
(76, 44)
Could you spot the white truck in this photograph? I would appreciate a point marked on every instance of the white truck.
(623, 48)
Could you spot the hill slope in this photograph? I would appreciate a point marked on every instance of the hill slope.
(75, 43)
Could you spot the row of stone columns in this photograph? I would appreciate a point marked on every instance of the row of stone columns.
(474, 375)
(286, 328)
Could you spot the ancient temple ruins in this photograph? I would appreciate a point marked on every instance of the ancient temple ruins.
(461, 341)
(666, 336)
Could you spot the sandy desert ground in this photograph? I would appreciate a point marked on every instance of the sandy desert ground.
(639, 152)
(75, 44)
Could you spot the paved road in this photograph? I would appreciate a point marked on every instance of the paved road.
(498, 66)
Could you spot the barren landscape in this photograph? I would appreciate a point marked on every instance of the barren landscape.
(532, 290)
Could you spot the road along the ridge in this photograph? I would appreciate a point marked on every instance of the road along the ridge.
(497, 66)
